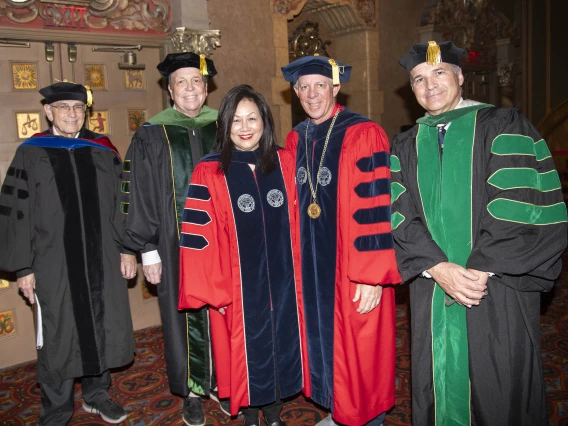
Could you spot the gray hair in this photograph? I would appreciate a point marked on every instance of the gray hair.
(297, 87)
(455, 69)
(204, 77)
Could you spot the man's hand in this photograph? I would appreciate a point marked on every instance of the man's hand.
(370, 296)
(27, 285)
(153, 273)
(463, 285)
(128, 265)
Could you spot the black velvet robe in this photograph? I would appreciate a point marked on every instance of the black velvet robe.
(505, 367)
(60, 219)
(157, 170)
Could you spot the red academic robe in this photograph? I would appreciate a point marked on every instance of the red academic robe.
(238, 251)
(351, 355)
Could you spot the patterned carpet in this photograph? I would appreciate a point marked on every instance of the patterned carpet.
(142, 388)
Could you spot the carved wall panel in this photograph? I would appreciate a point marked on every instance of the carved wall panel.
(342, 16)
(142, 15)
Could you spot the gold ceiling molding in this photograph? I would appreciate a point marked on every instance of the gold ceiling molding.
(197, 41)
(97, 14)
(341, 16)
(471, 24)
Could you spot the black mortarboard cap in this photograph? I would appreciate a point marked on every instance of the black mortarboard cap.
(432, 53)
(321, 65)
(175, 61)
(64, 91)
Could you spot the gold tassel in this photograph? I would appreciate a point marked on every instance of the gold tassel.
(202, 65)
(334, 72)
(89, 96)
(433, 54)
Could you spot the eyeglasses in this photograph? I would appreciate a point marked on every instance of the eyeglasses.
(66, 108)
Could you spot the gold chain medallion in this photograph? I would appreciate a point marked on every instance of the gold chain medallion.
(314, 210)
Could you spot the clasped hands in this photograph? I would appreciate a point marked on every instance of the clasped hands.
(466, 286)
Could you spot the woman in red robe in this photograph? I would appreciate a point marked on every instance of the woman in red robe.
(239, 255)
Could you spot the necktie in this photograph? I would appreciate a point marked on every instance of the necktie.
(441, 134)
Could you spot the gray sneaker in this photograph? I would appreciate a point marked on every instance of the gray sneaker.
(110, 411)
(224, 403)
(193, 413)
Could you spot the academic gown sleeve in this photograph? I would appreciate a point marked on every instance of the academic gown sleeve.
(205, 270)
(141, 194)
(416, 250)
(523, 228)
(16, 220)
(370, 249)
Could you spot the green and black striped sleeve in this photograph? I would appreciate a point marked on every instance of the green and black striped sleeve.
(415, 249)
(522, 228)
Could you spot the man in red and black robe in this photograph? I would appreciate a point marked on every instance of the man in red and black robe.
(61, 232)
(347, 249)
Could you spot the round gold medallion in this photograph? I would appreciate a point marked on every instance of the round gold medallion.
(314, 211)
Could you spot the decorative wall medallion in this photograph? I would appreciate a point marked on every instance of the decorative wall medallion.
(28, 123)
(24, 75)
(98, 122)
(7, 324)
(136, 117)
(95, 76)
(134, 79)
(4, 284)
(305, 41)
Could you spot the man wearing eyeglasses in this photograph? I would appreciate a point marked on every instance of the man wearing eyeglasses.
(61, 233)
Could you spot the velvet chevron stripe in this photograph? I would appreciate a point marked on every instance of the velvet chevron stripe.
(396, 220)
(198, 192)
(373, 188)
(520, 145)
(197, 217)
(373, 215)
(378, 159)
(396, 191)
(513, 178)
(530, 214)
(394, 164)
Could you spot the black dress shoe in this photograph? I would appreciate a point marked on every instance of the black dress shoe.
(193, 413)
(250, 423)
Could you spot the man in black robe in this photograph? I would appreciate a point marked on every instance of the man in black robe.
(479, 224)
(157, 171)
(61, 232)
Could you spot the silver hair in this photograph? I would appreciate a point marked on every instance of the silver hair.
(297, 87)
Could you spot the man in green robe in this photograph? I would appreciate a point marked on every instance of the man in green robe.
(479, 224)
(156, 174)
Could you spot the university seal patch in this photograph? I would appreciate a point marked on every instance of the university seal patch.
(301, 176)
(275, 198)
(246, 203)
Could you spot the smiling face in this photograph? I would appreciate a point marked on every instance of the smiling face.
(188, 90)
(317, 96)
(67, 124)
(247, 126)
(436, 87)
